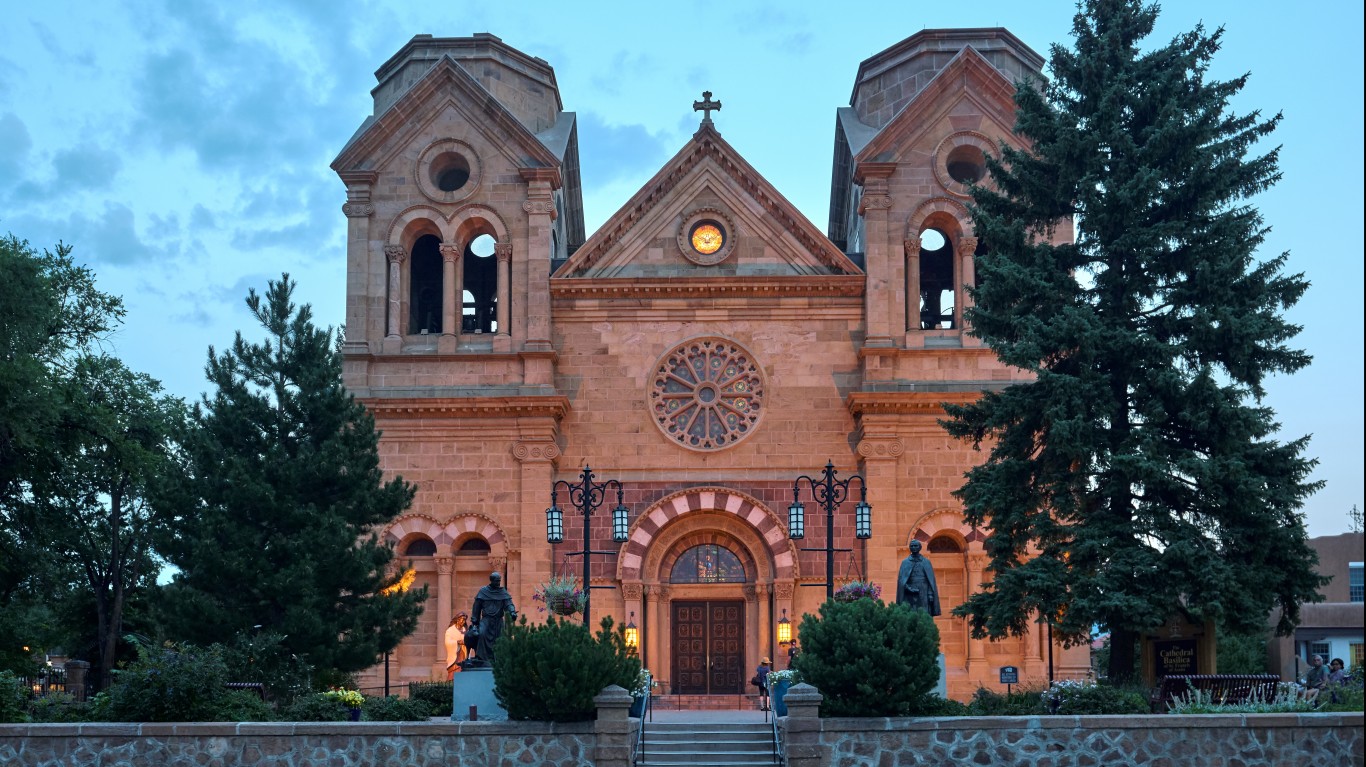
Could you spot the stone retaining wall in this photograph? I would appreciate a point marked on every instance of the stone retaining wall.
(1209, 740)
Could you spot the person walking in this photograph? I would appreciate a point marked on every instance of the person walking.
(761, 680)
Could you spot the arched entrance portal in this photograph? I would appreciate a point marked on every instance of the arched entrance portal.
(708, 570)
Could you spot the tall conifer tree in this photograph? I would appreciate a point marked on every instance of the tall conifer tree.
(282, 497)
(1138, 471)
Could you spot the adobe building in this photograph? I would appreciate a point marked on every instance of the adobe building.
(1332, 628)
(707, 346)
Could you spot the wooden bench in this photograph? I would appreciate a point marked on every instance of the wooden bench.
(1221, 688)
(256, 687)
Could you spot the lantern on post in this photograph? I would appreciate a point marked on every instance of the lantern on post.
(784, 629)
(632, 633)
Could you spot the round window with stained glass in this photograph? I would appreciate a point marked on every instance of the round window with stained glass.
(707, 394)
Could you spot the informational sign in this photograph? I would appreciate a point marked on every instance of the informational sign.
(1175, 656)
(1010, 675)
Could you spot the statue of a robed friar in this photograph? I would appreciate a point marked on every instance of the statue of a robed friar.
(492, 604)
(915, 586)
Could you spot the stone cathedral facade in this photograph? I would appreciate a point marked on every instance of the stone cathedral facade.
(705, 347)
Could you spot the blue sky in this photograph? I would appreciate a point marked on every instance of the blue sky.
(182, 147)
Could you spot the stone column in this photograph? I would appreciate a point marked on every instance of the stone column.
(977, 655)
(967, 247)
(541, 214)
(76, 672)
(782, 604)
(880, 451)
(362, 328)
(445, 571)
(653, 629)
(883, 281)
(912, 248)
(802, 727)
(614, 729)
(393, 339)
(536, 454)
(664, 638)
(504, 313)
(767, 642)
(451, 300)
(1035, 666)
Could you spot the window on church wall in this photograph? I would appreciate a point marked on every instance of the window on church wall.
(936, 281)
(707, 563)
(944, 544)
(425, 286)
(480, 310)
(474, 547)
(420, 547)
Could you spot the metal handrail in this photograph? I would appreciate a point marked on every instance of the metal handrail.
(638, 747)
(779, 753)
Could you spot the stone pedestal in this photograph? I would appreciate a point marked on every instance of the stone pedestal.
(474, 687)
(941, 688)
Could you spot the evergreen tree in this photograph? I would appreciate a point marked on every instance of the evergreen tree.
(1138, 470)
(281, 499)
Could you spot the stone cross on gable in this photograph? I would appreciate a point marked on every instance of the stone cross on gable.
(705, 106)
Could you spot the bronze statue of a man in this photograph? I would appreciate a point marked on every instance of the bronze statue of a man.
(915, 584)
(491, 604)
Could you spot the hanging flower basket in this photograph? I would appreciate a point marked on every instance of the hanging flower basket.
(561, 595)
(855, 590)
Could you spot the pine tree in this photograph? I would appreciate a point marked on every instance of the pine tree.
(281, 497)
(1137, 472)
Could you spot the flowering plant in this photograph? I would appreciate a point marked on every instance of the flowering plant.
(644, 683)
(858, 590)
(348, 698)
(791, 676)
(563, 595)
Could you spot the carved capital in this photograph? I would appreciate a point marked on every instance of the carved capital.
(445, 565)
(749, 591)
(535, 451)
(967, 246)
(912, 248)
(782, 590)
(449, 251)
(663, 593)
(874, 202)
(631, 591)
(396, 254)
(503, 251)
(358, 209)
(498, 565)
(653, 594)
(761, 590)
(541, 207)
(977, 563)
(881, 447)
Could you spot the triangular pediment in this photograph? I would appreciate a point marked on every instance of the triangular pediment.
(445, 86)
(647, 239)
(968, 80)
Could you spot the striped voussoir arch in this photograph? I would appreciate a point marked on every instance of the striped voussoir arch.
(448, 533)
(714, 500)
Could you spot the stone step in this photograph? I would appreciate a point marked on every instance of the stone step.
(707, 744)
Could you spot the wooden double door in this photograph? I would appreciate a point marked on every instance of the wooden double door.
(708, 647)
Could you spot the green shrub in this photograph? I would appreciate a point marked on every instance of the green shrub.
(438, 696)
(937, 706)
(395, 709)
(552, 672)
(13, 698)
(1348, 696)
(58, 708)
(264, 658)
(1286, 700)
(186, 685)
(1022, 700)
(870, 658)
(1241, 653)
(1075, 698)
(315, 707)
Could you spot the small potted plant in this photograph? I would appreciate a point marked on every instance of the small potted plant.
(351, 699)
(778, 682)
(561, 595)
(854, 590)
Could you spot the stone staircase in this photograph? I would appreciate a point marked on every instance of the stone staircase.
(707, 744)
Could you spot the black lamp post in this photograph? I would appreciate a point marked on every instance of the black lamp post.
(586, 496)
(829, 493)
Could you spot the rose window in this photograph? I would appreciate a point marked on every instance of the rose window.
(707, 394)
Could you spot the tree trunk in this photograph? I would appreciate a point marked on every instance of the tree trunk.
(1123, 656)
